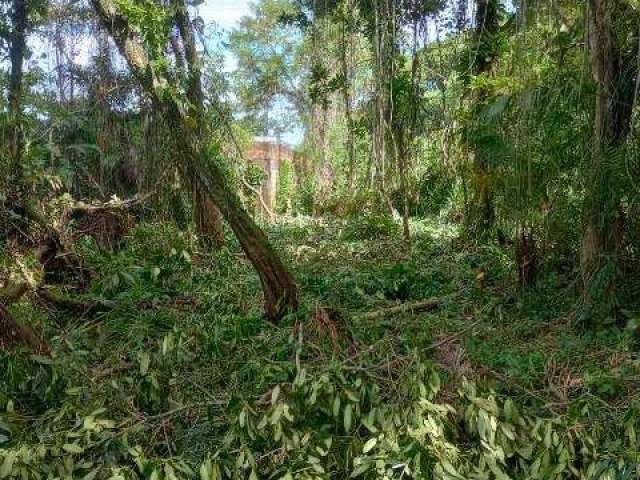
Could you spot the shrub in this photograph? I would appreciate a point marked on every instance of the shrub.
(370, 227)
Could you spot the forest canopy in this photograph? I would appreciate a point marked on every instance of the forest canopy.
(378, 239)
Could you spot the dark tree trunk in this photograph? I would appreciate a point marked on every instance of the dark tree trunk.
(280, 290)
(18, 226)
(17, 52)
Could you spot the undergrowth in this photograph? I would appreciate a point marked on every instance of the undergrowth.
(183, 379)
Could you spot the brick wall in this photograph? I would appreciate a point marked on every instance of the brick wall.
(268, 155)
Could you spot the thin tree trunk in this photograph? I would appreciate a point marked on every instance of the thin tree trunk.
(346, 95)
(19, 18)
(402, 153)
(406, 135)
(280, 290)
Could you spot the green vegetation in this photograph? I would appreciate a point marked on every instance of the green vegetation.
(356, 239)
(183, 378)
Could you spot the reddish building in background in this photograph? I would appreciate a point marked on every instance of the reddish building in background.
(269, 154)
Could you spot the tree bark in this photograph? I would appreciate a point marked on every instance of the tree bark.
(17, 50)
(280, 290)
(485, 30)
(207, 217)
(612, 116)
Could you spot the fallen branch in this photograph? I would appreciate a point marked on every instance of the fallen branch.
(64, 302)
(451, 338)
(12, 334)
(415, 307)
(84, 208)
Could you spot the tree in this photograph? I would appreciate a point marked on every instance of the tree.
(280, 290)
(484, 38)
(206, 215)
(17, 51)
(612, 67)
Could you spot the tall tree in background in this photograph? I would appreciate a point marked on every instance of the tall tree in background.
(280, 290)
(485, 55)
(613, 69)
(17, 51)
(347, 19)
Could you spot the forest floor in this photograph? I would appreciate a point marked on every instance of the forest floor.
(169, 370)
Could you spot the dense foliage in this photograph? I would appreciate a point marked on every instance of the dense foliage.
(436, 278)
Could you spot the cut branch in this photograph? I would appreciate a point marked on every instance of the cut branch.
(78, 305)
(412, 308)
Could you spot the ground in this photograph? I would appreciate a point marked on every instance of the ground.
(183, 375)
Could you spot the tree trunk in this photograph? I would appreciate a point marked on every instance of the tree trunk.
(207, 217)
(280, 290)
(402, 153)
(17, 50)
(486, 28)
(346, 94)
(612, 115)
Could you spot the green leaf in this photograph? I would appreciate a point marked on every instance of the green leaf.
(360, 470)
(7, 465)
(274, 394)
(72, 448)
(348, 413)
(369, 445)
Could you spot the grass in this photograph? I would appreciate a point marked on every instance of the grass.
(186, 352)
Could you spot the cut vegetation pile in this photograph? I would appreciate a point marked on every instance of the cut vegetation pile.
(403, 362)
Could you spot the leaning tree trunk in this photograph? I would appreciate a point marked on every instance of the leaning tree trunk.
(280, 290)
(206, 216)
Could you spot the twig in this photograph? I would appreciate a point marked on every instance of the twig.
(450, 338)
(416, 307)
